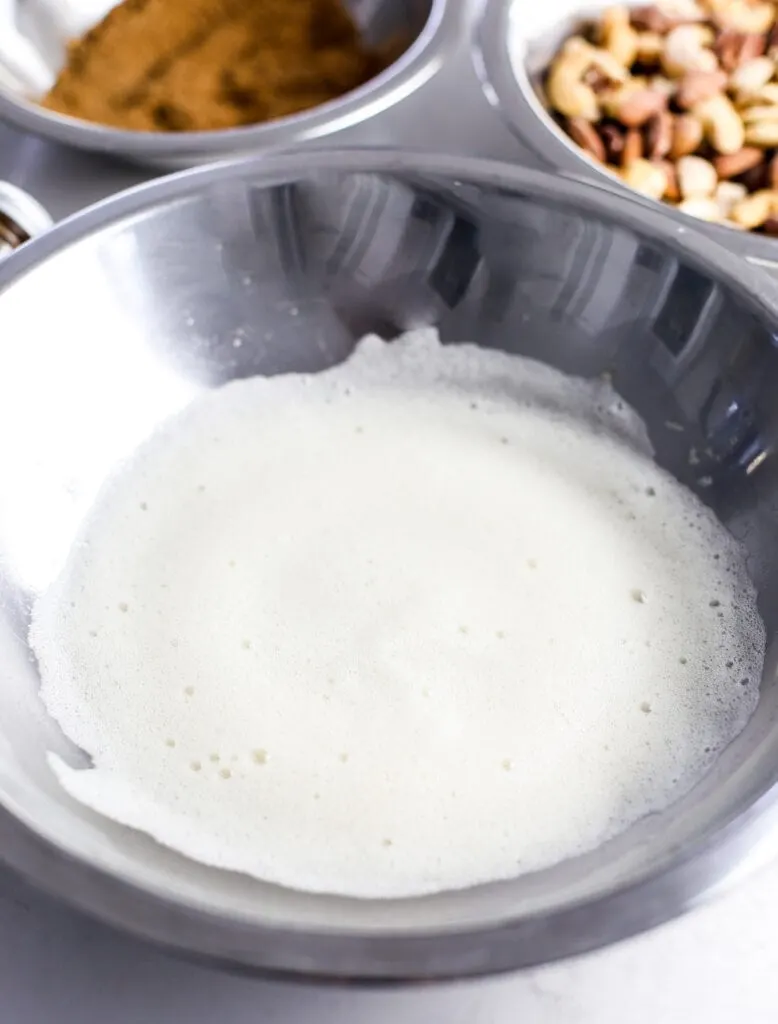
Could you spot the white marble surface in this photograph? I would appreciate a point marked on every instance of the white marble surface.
(717, 966)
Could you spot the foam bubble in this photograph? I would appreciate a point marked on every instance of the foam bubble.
(421, 621)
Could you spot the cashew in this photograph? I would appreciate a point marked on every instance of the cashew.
(763, 134)
(696, 177)
(750, 115)
(754, 210)
(617, 35)
(682, 10)
(727, 194)
(768, 94)
(685, 50)
(645, 177)
(650, 47)
(749, 18)
(752, 75)
(658, 83)
(567, 92)
(722, 124)
(608, 65)
(701, 207)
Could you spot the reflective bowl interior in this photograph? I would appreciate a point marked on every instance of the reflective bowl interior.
(121, 317)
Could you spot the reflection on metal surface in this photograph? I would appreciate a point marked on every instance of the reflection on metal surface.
(280, 265)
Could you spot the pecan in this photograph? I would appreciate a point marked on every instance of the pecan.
(583, 132)
(658, 134)
(613, 140)
(731, 165)
(596, 80)
(772, 173)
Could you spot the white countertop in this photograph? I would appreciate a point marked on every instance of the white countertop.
(716, 966)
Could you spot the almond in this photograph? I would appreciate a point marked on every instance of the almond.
(638, 106)
(696, 86)
(733, 164)
(688, 134)
(658, 134)
(733, 48)
(585, 134)
(633, 147)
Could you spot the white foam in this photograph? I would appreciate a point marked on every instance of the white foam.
(429, 619)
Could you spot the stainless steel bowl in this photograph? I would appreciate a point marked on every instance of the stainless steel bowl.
(433, 25)
(515, 43)
(116, 318)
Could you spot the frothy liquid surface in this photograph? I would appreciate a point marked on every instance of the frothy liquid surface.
(429, 619)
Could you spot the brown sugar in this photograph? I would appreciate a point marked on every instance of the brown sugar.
(200, 65)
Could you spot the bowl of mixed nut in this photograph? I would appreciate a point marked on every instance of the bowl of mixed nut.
(676, 100)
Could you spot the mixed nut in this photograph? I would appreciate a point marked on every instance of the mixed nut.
(680, 100)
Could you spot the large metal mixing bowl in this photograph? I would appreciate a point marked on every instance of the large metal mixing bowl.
(430, 26)
(115, 319)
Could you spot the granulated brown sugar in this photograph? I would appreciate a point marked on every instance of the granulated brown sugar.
(199, 65)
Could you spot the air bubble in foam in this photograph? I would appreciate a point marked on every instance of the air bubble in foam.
(352, 558)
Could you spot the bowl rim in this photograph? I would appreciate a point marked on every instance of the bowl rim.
(417, 65)
(511, 94)
(686, 877)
